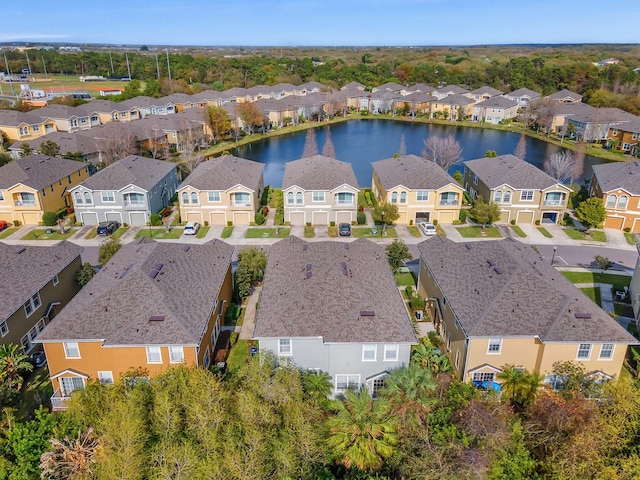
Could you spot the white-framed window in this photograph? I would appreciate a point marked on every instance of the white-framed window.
(614, 132)
(495, 346)
(369, 353)
(457, 363)
(1, 196)
(584, 351)
(194, 198)
(284, 347)
(71, 350)
(134, 199)
(611, 201)
(422, 196)
(484, 377)
(299, 198)
(497, 197)
(40, 324)
(345, 198)
(526, 196)
(394, 197)
(290, 198)
(78, 198)
(55, 280)
(475, 179)
(70, 384)
(622, 202)
(507, 197)
(176, 354)
(391, 353)
(345, 381)
(32, 304)
(448, 342)
(626, 147)
(4, 328)
(105, 377)
(154, 355)
(206, 359)
(87, 198)
(108, 197)
(606, 351)
(185, 197)
(403, 197)
(213, 196)
(634, 136)
(318, 197)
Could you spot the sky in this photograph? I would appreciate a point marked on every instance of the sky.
(320, 22)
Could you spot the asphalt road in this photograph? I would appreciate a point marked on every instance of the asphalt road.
(582, 255)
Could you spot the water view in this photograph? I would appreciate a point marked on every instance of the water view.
(361, 142)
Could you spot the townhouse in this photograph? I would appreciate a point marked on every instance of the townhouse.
(625, 136)
(523, 97)
(455, 107)
(565, 96)
(66, 118)
(23, 126)
(483, 93)
(494, 110)
(618, 185)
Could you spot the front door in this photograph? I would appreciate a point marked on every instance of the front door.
(69, 384)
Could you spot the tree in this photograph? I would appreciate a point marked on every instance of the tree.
(490, 154)
(385, 214)
(521, 147)
(50, 148)
(108, 249)
(25, 149)
(250, 270)
(250, 115)
(4, 158)
(13, 365)
(191, 137)
(445, 151)
(327, 149)
(458, 177)
(310, 145)
(362, 432)
(603, 263)
(49, 219)
(519, 385)
(563, 166)
(115, 142)
(397, 253)
(409, 390)
(317, 385)
(85, 274)
(219, 121)
(71, 459)
(485, 213)
(591, 212)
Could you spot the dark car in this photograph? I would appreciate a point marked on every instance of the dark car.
(3, 225)
(344, 230)
(107, 228)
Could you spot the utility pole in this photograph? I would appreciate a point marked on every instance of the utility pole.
(44, 66)
(111, 60)
(28, 63)
(157, 67)
(126, 56)
(168, 64)
(13, 92)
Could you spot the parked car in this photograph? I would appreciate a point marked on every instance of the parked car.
(3, 225)
(191, 228)
(344, 230)
(38, 359)
(107, 228)
(427, 228)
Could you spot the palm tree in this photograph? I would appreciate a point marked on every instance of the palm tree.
(13, 364)
(362, 432)
(70, 459)
(409, 392)
(520, 385)
(317, 385)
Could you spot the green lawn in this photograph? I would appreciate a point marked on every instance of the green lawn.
(593, 293)
(366, 232)
(267, 233)
(414, 231)
(7, 232)
(623, 309)
(631, 238)
(118, 233)
(574, 234)
(309, 231)
(545, 232)
(226, 232)
(518, 231)
(596, 235)
(160, 233)
(333, 231)
(202, 232)
(93, 233)
(405, 279)
(238, 355)
(590, 277)
(36, 389)
(40, 234)
(440, 231)
(475, 231)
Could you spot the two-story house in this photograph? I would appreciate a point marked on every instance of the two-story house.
(153, 305)
(223, 189)
(319, 190)
(127, 191)
(421, 189)
(499, 302)
(36, 283)
(626, 136)
(66, 118)
(494, 110)
(23, 126)
(523, 96)
(345, 315)
(618, 185)
(523, 192)
(36, 184)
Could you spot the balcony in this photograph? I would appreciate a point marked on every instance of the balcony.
(553, 203)
(58, 402)
(448, 203)
(24, 203)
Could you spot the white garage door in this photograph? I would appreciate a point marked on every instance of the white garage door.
(296, 219)
(138, 218)
(114, 216)
(343, 217)
(218, 219)
(320, 218)
(89, 218)
(241, 218)
(194, 217)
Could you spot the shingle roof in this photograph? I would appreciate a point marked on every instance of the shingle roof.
(58, 111)
(564, 93)
(455, 99)
(486, 90)
(497, 102)
(318, 173)
(225, 172)
(116, 304)
(132, 170)
(521, 92)
(454, 89)
(37, 171)
(615, 175)
(15, 118)
(23, 274)
(411, 171)
(321, 289)
(510, 170)
(68, 142)
(528, 298)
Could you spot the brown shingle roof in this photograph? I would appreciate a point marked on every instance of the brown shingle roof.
(524, 297)
(612, 176)
(509, 170)
(318, 173)
(37, 171)
(225, 172)
(116, 304)
(412, 172)
(132, 170)
(306, 293)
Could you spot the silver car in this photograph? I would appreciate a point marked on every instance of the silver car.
(427, 228)
(191, 228)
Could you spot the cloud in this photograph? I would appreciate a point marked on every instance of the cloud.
(34, 37)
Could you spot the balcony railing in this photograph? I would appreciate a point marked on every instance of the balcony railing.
(58, 402)
(24, 203)
(448, 203)
(553, 203)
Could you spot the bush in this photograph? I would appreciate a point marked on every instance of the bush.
(537, 222)
(49, 219)
(416, 303)
(62, 212)
(308, 224)
(155, 220)
(229, 223)
(467, 200)
(16, 223)
(72, 218)
(513, 222)
(627, 229)
(456, 222)
(362, 218)
(361, 208)
(265, 211)
(206, 223)
(332, 223)
(233, 338)
(411, 222)
(409, 290)
(463, 216)
(435, 222)
(259, 218)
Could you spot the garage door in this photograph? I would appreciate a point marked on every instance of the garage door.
(402, 218)
(636, 226)
(296, 218)
(320, 218)
(218, 219)
(30, 218)
(138, 218)
(422, 216)
(614, 222)
(89, 218)
(343, 217)
(241, 218)
(504, 217)
(525, 217)
(114, 216)
(445, 217)
(6, 216)
(193, 217)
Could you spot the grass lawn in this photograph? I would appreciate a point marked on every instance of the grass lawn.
(596, 235)
(544, 232)
(160, 233)
(238, 355)
(309, 232)
(226, 232)
(405, 279)
(518, 231)
(623, 309)
(9, 231)
(631, 238)
(366, 232)
(574, 234)
(118, 233)
(37, 388)
(414, 231)
(267, 233)
(333, 231)
(475, 231)
(440, 231)
(93, 233)
(593, 293)
(590, 277)
(40, 234)
(202, 232)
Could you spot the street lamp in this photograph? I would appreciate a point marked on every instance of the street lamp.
(382, 227)
(554, 254)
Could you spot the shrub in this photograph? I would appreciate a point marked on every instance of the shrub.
(16, 223)
(411, 222)
(308, 224)
(354, 223)
(627, 229)
(206, 223)
(435, 222)
(155, 220)
(259, 218)
(463, 216)
(49, 219)
(62, 212)
(513, 222)
(409, 290)
(362, 218)
(361, 208)
(416, 303)
(466, 199)
(456, 222)
(229, 223)
(265, 211)
(332, 223)
(233, 338)
(72, 218)
(537, 222)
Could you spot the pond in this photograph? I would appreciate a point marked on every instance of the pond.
(361, 142)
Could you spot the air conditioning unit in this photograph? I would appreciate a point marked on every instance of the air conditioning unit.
(419, 314)
(19, 203)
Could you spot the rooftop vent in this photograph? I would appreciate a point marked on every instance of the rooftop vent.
(158, 266)
(491, 263)
(154, 273)
(343, 264)
(346, 246)
(20, 250)
(156, 318)
(498, 270)
(186, 248)
(468, 246)
(304, 247)
(308, 275)
(582, 315)
(367, 313)
(309, 267)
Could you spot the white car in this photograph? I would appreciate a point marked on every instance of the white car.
(427, 228)
(191, 228)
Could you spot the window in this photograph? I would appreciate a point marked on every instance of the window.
(284, 347)
(55, 280)
(78, 198)
(497, 197)
(369, 353)
(391, 353)
(105, 377)
(4, 329)
(241, 199)
(26, 343)
(394, 197)
(507, 197)
(422, 196)
(108, 197)
(206, 359)
(153, 354)
(134, 199)
(69, 179)
(32, 304)
(403, 197)
(26, 199)
(213, 196)
(290, 198)
(345, 198)
(606, 351)
(614, 132)
(194, 198)
(69, 384)
(611, 201)
(584, 351)
(185, 197)
(526, 196)
(299, 198)
(71, 350)
(318, 197)
(634, 136)
(1, 196)
(448, 342)
(347, 381)
(475, 179)
(457, 359)
(626, 147)
(495, 346)
(484, 377)
(449, 198)
(622, 203)
(176, 354)
(378, 384)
